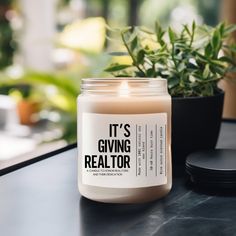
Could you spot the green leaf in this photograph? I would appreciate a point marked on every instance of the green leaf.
(173, 82)
(159, 33)
(216, 41)
(163, 48)
(140, 56)
(208, 50)
(171, 35)
(217, 70)
(150, 72)
(193, 26)
(134, 43)
(227, 60)
(206, 72)
(131, 36)
(217, 63)
(181, 66)
(221, 28)
(187, 29)
(118, 54)
(116, 67)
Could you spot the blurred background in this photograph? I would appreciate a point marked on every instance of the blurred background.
(47, 46)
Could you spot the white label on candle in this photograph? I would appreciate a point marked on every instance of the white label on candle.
(124, 151)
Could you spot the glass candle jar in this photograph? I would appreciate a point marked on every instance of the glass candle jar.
(124, 139)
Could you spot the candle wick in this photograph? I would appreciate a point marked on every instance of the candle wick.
(124, 89)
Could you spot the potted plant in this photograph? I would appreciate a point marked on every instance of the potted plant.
(27, 106)
(193, 63)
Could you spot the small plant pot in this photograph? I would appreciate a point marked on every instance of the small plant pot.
(195, 124)
(27, 111)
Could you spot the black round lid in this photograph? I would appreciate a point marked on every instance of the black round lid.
(213, 167)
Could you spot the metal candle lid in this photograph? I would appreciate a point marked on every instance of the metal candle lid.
(213, 168)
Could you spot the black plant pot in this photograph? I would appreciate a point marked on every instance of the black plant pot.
(195, 124)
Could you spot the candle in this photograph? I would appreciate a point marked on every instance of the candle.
(124, 139)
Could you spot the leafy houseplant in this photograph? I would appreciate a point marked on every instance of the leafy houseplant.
(193, 63)
(27, 106)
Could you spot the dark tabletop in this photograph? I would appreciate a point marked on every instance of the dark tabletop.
(42, 199)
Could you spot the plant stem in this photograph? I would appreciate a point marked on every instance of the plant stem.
(192, 38)
(173, 57)
(131, 54)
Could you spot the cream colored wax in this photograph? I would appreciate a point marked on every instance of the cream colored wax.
(138, 101)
